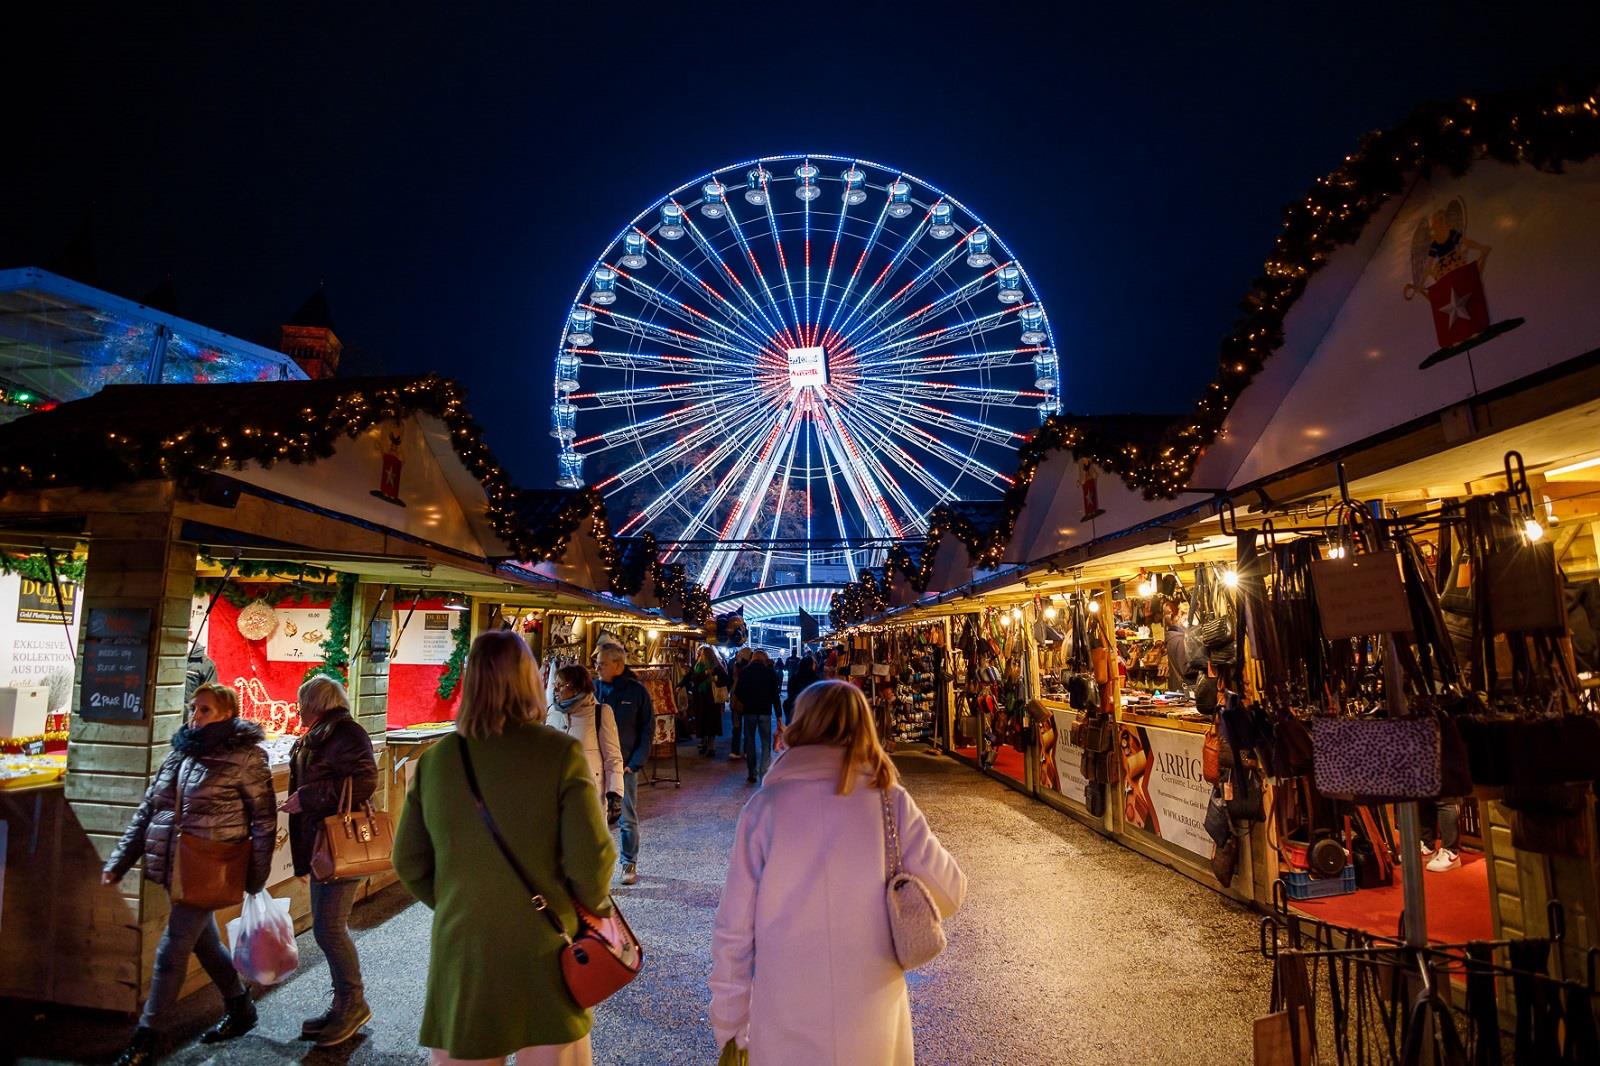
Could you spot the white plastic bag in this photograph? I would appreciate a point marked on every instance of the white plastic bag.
(262, 938)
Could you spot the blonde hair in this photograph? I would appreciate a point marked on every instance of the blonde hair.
(501, 688)
(320, 696)
(836, 714)
(227, 699)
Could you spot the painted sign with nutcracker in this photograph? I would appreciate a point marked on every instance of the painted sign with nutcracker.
(390, 438)
(1448, 268)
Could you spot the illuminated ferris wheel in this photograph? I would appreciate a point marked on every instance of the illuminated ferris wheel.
(799, 356)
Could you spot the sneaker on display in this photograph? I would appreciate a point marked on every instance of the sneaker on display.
(1443, 860)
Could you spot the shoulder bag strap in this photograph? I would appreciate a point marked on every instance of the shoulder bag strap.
(539, 902)
(891, 834)
(347, 796)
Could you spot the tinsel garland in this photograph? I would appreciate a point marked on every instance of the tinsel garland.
(457, 661)
(336, 649)
(273, 594)
(36, 567)
(1543, 128)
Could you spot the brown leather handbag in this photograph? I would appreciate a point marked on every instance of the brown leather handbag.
(353, 843)
(604, 956)
(208, 874)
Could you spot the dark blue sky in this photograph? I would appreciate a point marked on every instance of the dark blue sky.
(451, 178)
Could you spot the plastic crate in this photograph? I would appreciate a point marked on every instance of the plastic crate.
(1304, 886)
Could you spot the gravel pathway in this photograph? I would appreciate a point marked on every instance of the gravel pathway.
(1071, 949)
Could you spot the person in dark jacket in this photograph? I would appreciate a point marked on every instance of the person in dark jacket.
(619, 688)
(757, 693)
(741, 659)
(219, 769)
(333, 750)
(802, 675)
(702, 683)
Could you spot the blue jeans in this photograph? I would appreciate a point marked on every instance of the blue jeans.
(630, 816)
(758, 743)
(330, 926)
(190, 930)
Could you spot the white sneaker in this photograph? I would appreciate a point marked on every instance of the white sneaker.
(1427, 852)
(1443, 860)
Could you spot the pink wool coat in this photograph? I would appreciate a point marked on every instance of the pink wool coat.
(803, 971)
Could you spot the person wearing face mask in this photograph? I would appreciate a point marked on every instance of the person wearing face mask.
(576, 713)
(216, 785)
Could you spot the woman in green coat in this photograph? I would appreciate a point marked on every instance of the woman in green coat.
(494, 975)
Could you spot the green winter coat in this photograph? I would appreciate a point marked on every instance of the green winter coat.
(494, 973)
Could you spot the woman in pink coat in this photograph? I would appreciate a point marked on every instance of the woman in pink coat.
(803, 970)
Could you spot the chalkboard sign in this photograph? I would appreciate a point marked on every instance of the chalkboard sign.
(116, 660)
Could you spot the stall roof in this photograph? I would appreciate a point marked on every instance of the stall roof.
(62, 340)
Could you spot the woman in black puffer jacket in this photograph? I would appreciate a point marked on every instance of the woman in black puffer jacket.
(219, 765)
(334, 749)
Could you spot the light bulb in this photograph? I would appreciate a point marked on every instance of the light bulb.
(1533, 531)
(1005, 620)
(1337, 552)
(1016, 612)
(1147, 588)
(652, 633)
(1050, 613)
(1230, 578)
(1094, 606)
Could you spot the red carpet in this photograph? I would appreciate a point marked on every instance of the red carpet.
(1458, 905)
(1008, 761)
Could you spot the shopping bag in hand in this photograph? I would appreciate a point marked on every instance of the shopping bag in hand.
(262, 938)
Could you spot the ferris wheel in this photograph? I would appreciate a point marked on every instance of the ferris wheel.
(799, 357)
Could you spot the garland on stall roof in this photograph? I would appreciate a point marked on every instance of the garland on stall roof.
(457, 661)
(273, 594)
(336, 649)
(36, 567)
(1544, 128)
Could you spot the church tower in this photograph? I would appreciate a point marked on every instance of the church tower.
(309, 339)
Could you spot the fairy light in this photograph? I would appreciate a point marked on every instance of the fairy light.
(1533, 531)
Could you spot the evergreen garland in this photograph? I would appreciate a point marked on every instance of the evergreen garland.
(336, 649)
(36, 567)
(457, 661)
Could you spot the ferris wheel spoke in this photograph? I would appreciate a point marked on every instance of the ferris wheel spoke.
(838, 508)
(889, 268)
(700, 419)
(958, 362)
(691, 365)
(939, 267)
(881, 438)
(849, 284)
(929, 312)
(687, 274)
(943, 390)
(858, 476)
(705, 465)
(973, 327)
(744, 513)
(783, 494)
(783, 264)
(646, 395)
(776, 323)
(682, 311)
(689, 342)
(833, 259)
(701, 520)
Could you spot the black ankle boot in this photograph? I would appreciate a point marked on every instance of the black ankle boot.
(141, 1050)
(240, 1019)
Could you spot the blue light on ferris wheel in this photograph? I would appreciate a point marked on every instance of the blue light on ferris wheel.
(568, 366)
(978, 249)
(1032, 318)
(755, 185)
(603, 291)
(711, 196)
(1044, 370)
(671, 222)
(941, 226)
(853, 179)
(563, 420)
(633, 245)
(570, 467)
(1010, 279)
(582, 323)
(1046, 409)
(807, 173)
(899, 199)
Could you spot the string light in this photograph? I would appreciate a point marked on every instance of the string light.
(1050, 613)
(1230, 578)
(1532, 530)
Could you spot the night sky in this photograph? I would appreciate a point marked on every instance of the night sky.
(450, 181)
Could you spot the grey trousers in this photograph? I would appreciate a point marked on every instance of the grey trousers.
(330, 927)
(190, 931)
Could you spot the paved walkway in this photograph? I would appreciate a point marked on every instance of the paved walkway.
(1071, 949)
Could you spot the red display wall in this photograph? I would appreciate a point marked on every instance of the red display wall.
(414, 689)
(267, 690)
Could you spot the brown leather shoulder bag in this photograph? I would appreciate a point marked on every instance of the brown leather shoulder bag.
(353, 843)
(205, 873)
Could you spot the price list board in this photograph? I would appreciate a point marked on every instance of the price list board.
(116, 661)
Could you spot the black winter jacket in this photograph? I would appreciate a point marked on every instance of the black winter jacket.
(332, 750)
(757, 690)
(227, 795)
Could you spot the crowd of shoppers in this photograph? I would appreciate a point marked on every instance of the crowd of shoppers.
(806, 879)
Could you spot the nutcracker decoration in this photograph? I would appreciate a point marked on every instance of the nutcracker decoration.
(389, 440)
(1447, 267)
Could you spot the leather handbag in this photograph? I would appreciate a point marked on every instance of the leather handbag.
(352, 843)
(208, 874)
(915, 927)
(1376, 759)
(604, 956)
